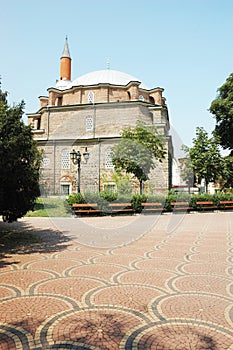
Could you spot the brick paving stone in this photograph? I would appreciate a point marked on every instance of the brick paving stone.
(182, 337)
(109, 283)
(133, 297)
(209, 268)
(30, 312)
(196, 307)
(205, 283)
(54, 265)
(23, 279)
(156, 278)
(164, 264)
(103, 328)
(100, 271)
(72, 287)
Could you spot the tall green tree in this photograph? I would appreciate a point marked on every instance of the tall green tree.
(187, 173)
(222, 108)
(19, 162)
(227, 176)
(205, 157)
(137, 151)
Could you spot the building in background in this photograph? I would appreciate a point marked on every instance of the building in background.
(89, 113)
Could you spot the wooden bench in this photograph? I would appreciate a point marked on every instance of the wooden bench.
(181, 206)
(120, 208)
(152, 207)
(205, 205)
(226, 204)
(85, 208)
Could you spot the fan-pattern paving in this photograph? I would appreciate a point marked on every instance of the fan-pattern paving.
(161, 291)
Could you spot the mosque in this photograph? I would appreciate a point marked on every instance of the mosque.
(87, 115)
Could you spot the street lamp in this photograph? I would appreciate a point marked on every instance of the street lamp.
(76, 159)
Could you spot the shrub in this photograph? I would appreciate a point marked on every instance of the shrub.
(75, 198)
(124, 187)
(108, 196)
(136, 202)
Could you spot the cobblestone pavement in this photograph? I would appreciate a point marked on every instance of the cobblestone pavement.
(138, 282)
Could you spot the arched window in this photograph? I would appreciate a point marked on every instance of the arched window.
(141, 98)
(129, 96)
(108, 159)
(152, 99)
(65, 159)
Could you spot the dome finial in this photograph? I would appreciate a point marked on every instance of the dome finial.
(66, 51)
(108, 63)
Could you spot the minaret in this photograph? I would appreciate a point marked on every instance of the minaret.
(65, 63)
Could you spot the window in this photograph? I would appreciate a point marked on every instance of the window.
(108, 159)
(45, 162)
(65, 159)
(89, 123)
(152, 99)
(59, 101)
(141, 98)
(65, 190)
(91, 97)
(110, 187)
(36, 123)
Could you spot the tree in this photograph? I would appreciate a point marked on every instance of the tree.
(227, 177)
(187, 173)
(137, 151)
(222, 108)
(19, 162)
(205, 157)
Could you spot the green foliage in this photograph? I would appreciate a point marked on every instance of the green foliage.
(222, 108)
(228, 171)
(124, 187)
(137, 151)
(19, 163)
(75, 198)
(137, 201)
(108, 196)
(55, 207)
(205, 157)
(50, 207)
(187, 173)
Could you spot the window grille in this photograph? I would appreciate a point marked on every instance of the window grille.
(89, 123)
(108, 159)
(45, 162)
(65, 159)
(91, 97)
(65, 190)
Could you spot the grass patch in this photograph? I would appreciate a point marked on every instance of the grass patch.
(50, 207)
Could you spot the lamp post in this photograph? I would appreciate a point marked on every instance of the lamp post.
(75, 157)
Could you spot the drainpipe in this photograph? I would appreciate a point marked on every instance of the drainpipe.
(54, 166)
(99, 162)
(48, 120)
(94, 121)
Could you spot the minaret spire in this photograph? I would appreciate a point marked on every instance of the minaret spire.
(65, 63)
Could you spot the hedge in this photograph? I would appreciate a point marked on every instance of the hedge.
(104, 197)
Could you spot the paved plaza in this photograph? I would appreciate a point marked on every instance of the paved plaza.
(158, 282)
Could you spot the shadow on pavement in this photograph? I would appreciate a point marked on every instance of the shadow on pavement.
(21, 238)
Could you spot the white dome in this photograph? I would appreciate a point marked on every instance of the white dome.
(107, 76)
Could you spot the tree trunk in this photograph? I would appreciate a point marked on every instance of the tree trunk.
(141, 186)
(206, 186)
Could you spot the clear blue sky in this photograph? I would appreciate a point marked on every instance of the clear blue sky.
(184, 46)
